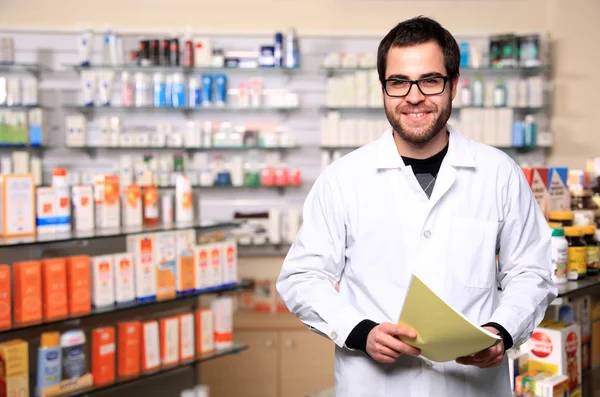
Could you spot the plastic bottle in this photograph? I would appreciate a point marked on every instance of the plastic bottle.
(500, 94)
(592, 249)
(49, 361)
(577, 266)
(530, 131)
(126, 90)
(466, 99)
(560, 248)
(292, 52)
(73, 354)
(150, 201)
(478, 92)
(188, 51)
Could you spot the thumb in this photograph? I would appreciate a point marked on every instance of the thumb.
(400, 330)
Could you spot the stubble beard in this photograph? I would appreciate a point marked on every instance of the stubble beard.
(419, 136)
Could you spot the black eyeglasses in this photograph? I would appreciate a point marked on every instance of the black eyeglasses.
(398, 88)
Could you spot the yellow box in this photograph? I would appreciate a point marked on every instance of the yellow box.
(14, 359)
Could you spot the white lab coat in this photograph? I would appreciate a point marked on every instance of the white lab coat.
(368, 226)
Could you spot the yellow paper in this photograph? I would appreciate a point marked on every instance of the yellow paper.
(443, 334)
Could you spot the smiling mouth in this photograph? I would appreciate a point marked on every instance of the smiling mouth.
(416, 116)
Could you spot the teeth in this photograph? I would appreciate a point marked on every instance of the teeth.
(416, 115)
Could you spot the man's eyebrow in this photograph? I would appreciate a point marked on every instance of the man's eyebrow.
(423, 76)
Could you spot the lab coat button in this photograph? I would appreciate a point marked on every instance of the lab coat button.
(333, 335)
(427, 233)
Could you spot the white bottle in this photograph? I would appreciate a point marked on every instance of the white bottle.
(560, 248)
(478, 92)
(500, 94)
(466, 98)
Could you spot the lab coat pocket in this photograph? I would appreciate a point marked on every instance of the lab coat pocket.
(472, 251)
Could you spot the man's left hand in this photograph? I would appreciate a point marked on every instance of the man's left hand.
(488, 358)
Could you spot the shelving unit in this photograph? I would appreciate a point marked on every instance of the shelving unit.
(226, 108)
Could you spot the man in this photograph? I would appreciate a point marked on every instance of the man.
(422, 199)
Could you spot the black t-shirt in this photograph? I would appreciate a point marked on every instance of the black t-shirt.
(426, 170)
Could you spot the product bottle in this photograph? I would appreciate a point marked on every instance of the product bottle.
(560, 248)
(150, 201)
(465, 93)
(292, 52)
(188, 52)
(577, 266)
(49, 361)
(592, 249)
(500, 94)
(73, 354)
(278, 50)
(478, 92)
(175, 52)
(126, 90)
(530, 131)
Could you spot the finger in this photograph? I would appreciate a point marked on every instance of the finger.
(383, 359)
(488, 354)
(397, 345)
(399, 330)
(496, 361)
(386, 351)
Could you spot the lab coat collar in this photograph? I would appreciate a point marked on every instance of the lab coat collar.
(459, 151)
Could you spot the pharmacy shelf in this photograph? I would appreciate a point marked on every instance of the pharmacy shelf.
(226, 108)
(23, 107)
(32, 68)
(124, 308)
(263, 250)
(236, 348)
(12, 146)
(579, 286)
(183, 69)
(231, 187)
(113, 232)
(518, 148)
(182, 148)
(349, 109)
(466, 70)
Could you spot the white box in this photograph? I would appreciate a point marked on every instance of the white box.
(46, 210)
(170, 338)
(108, 207)
(126, 140)
(222, 309)
(151, 345)
(184, 203)
(124, 277)
(76, 130)
(142, 139)
(186, 241)
(142, 247)
(105, 127)
(205, 331)
(165, 257)
(132, 206)
(115, 131)
(83, 207)
(230, 262)
(17, 205)
(103, 292)
(215, 272)
(202, 265)
(186, 336)
(20, 161)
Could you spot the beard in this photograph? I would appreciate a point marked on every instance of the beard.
(419, 134)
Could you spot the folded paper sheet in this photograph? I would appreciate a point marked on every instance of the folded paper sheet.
(443, 334)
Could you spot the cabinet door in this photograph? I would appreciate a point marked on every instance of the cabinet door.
(252, 373)
(306, 363)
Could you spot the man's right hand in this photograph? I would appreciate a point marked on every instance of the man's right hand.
(384, 346)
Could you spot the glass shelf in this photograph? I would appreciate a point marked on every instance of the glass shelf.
(124, 307)
(22, 107)
(579, 286)
(116, 232)
(183, 69)
(233, 187)
(200, 149)
(234, 349)
(262, 250)
(227, 108)
(11, 146)
(33, 68)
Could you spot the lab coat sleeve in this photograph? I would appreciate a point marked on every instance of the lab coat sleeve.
(315, 263)
(524, 262)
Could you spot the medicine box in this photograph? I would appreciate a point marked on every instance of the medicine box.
(186, 268)
(537, 178)
(124, 277)
(186, 336)
(150, 346)
(142, 247)
(17, 205)
(106, 195)
(202, 265)
(165, 258)
(169, 340)
(83, 208)
(216, 265)
(103, 355)
(79, 284)
(5, 297)
(555, 348)
(559, 195)
(103, 292)
(15, 375)
(229, 267)
(222, 309)
(54, 289)
(27, 298)
(46, 210)
(518, 364)
(76, 130)
(205, 331)
(128, 345)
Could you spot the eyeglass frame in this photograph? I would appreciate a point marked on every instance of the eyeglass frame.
(416, 82)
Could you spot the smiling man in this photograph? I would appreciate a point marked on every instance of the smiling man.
(422, 200)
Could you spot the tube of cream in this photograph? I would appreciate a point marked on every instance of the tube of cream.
(106, 87)
(88, 87)
(84, 45)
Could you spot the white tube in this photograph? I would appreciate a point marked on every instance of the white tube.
(106, 87)
(84, 46)
(88, 87)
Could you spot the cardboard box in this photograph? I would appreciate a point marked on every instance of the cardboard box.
(169, 341)
(5, 297)
(103, 355)
(14, 355)
(132, 206)
(129, 354)
(230, 262)
(215, 272)
(150, 346)
(538, 181)
(17, 205)
(166, 273)
(555, 348)
(186, 268)
(79, 281)
(201, 263)
(559, 196)
(142, 247)
(82, 199)
(103, 281)
(186, 337)
(205, 331)
(27, 282)
(54, 289)
(45, 210)
(222, 309)
(108, 206)
(124, 277)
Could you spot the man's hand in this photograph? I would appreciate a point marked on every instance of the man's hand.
(488, 358)
(384, 346)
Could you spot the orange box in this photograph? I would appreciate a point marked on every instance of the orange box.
(103, 355)
(150, 346)
(79, 294)
(5, 303)
(129, 349)
(54, 289)
(27, 282)
(169, 340)
(186, 336)
(205, 334)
